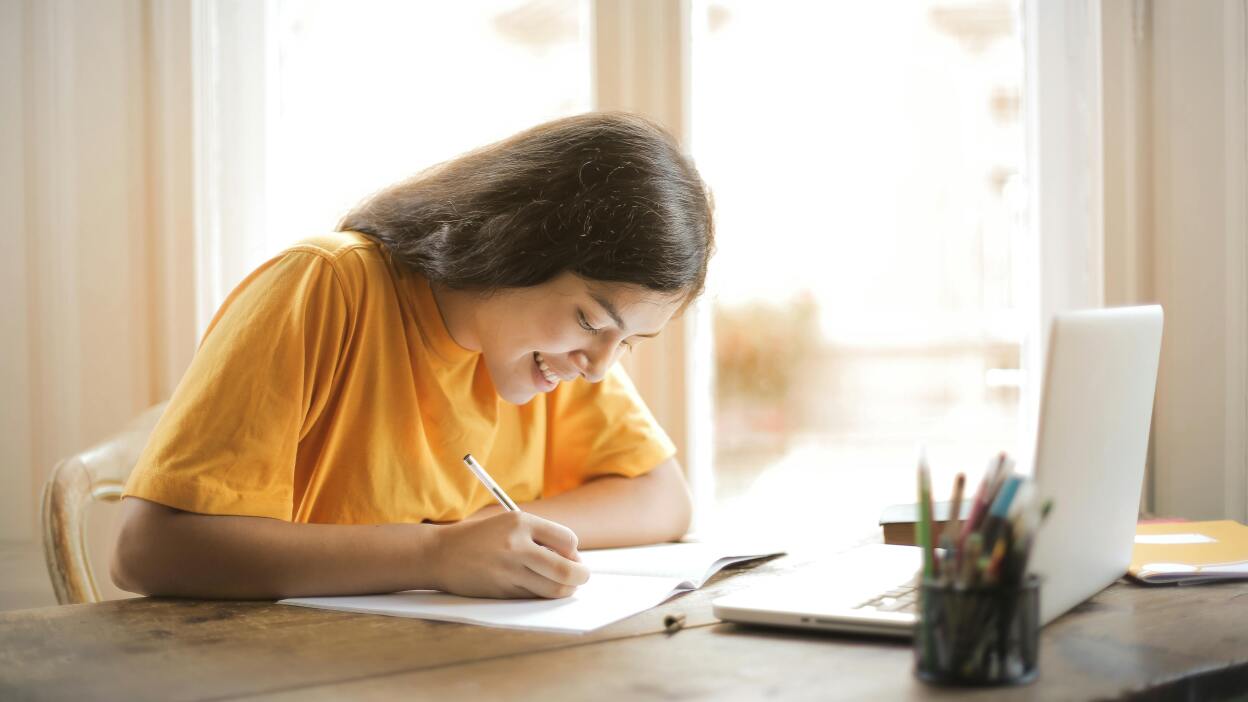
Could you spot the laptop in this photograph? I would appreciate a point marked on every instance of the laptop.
(1095, 411)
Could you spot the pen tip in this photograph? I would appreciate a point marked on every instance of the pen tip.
(466, 457)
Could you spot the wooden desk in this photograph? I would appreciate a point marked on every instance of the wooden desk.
(1127, 642)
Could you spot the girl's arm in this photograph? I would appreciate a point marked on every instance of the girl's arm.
(616, 511)
(165, 551)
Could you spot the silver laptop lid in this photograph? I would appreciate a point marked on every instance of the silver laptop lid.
(1096, 409)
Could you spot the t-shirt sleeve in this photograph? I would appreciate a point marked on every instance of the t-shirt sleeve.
(227, 441)
(596, 429)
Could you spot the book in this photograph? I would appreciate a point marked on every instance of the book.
(1189, 552)
(622, 582)
(898, 520)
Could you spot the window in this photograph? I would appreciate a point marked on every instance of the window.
(364, 94)
(867, 162)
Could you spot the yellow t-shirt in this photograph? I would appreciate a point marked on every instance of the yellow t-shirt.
(327, 389)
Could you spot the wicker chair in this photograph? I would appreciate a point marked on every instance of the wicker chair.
(99, 473)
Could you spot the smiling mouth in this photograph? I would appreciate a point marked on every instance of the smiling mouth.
(544, 370)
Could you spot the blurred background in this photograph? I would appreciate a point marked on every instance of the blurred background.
(866, 161)
(904, 192)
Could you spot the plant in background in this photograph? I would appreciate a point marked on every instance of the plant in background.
(760, 348)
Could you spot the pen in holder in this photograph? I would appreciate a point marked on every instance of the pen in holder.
(979, 610)
(982, 635)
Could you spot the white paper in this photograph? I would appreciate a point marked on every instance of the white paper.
(622, 583)
(1174, 539)
(1189, 574)
(1237, 567)
(690, 563)
(1167, 569)
(606, 598)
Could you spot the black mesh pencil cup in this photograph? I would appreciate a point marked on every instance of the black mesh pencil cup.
(978, 635)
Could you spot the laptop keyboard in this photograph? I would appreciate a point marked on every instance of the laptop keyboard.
(902, 598)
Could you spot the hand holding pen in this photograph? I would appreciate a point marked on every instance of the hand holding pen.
(509, 555)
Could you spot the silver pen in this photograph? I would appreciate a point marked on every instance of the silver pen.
(479, 471)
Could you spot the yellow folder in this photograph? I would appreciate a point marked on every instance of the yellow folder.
(1190, 552)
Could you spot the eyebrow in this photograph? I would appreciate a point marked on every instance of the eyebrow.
(615, 315)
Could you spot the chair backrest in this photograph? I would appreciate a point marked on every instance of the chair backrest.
(99, 473)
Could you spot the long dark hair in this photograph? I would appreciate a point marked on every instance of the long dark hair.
(606, 195)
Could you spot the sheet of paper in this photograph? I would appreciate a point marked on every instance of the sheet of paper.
(1240, 567)
(1190, 574)
(606, 598)
(1173, 539)
(1166, 569)
(691, 563)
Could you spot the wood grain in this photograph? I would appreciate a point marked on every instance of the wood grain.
(165, 649)
(1127, 642)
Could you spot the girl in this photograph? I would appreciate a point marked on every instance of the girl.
(313, 446)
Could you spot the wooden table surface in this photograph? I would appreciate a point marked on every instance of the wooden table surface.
(1128, 642)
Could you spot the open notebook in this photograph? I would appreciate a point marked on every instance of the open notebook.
(1190, 552)
(622, 582)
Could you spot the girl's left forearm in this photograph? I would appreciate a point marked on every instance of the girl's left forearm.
(614, 511)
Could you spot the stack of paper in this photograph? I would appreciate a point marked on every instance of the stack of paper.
(1190, 552)
(623, 582)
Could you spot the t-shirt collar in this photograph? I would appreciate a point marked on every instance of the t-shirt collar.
(432, 325)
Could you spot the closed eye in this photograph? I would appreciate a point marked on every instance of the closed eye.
(580, 318)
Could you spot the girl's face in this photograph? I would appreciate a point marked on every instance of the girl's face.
(534, 338)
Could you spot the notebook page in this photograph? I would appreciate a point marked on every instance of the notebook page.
(606, 598)
(690, 563)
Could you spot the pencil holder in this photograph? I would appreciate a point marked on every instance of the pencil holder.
(983, 635)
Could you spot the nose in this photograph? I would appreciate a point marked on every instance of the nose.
(592, 365)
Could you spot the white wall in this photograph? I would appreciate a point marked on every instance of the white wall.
(1173, 127)
(15, 425)
(94, 174)
(1198, 193)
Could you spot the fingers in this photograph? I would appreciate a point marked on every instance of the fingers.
(555, 537)
(527, 556)
(556, 568)
(541, 586)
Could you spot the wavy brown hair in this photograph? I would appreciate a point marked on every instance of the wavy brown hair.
(607, 196)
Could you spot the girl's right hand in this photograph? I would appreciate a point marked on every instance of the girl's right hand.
(514, 554)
